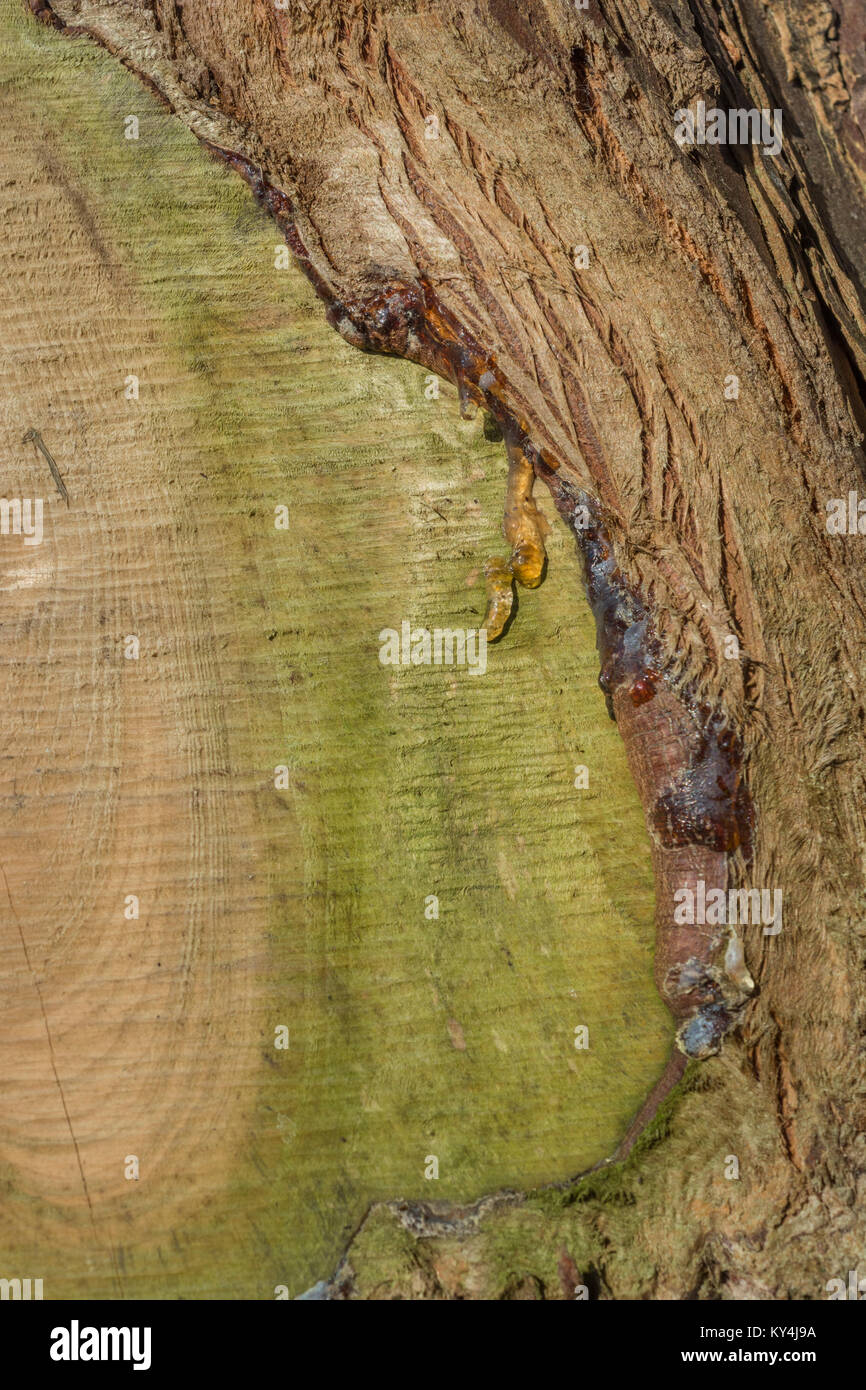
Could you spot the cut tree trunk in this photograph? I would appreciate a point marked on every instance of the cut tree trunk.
(302, 900)
(674, 336)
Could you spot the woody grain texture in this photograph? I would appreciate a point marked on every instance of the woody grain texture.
(554, 130)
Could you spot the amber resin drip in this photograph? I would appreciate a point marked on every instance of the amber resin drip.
(524, 528)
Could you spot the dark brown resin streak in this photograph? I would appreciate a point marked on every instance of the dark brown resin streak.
(688, 770)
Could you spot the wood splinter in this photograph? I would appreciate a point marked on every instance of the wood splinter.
(524, 528)
(36, 438)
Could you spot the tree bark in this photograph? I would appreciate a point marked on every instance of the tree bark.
(674, 336)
